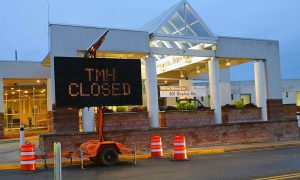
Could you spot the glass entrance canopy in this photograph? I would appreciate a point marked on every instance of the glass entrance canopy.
(180, 42)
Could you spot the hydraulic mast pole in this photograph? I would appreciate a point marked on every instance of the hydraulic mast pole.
(91, 53)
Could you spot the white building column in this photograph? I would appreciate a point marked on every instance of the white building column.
(88, 119)
(1, 96)
(225, 86)
(214, 87)
(260, 88)
(49, 95)
(151, 91)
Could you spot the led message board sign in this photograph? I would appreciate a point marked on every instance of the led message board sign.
(88, 82)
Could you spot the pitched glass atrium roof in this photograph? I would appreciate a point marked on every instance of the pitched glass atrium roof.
(179, 20)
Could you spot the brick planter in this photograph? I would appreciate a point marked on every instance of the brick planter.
(290, 111)
(241, 115)
(128, 120)
(65, 120)
(187, 118)
(208, 135)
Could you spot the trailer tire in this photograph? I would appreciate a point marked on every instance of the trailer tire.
(108, 157)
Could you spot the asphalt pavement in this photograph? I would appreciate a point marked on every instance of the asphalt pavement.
(231, 165)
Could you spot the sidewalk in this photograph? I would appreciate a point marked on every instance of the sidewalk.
(9, 151)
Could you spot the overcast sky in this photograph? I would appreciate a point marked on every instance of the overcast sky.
(24, 24)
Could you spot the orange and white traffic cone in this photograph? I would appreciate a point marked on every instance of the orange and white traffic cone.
(28, 158)
(179, 147)
(156, 147)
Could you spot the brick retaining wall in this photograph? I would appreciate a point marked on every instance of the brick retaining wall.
(275, 109)
(188, 118)
(65, 120)
(129, 120)
(241, 115)
(290, 110)
(209, 135)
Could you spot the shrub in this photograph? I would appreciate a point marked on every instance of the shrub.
(202, 108)
(121, 109)
(228, 106)
(106, 110)
(170, 108)
(238, 104)
(182, 105)
(250, 105)
(136, 109)
(190, 107)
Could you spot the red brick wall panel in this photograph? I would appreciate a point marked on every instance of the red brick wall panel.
(275, 109)
(188, 118)
(65, 120)
(241, 115)
(208, 135)
(122, 121)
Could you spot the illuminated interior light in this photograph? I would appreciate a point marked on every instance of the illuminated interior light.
(38, 81)
(227, 62)
(13, 92)
(198, 69)
(166, 81)
(11, 88)
(181, 74)
(19, 90)
(25, 91)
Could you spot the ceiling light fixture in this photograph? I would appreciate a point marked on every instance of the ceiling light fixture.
(197, 69)
(181, 74)
(227, 62)
(166, 81)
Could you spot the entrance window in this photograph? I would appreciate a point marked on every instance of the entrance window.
(25, 102)
(246, 98)
(298, 98)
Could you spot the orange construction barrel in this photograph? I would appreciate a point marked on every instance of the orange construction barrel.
(179, 148)
(28, 158)
(156, 147)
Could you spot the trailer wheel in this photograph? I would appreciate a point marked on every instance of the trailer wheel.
(108, 157)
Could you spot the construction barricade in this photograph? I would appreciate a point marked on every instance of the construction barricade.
(156, 147)
(179, 148)
(28, 158)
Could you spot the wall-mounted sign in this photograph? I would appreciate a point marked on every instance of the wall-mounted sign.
(182, 91)
(87, 82)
